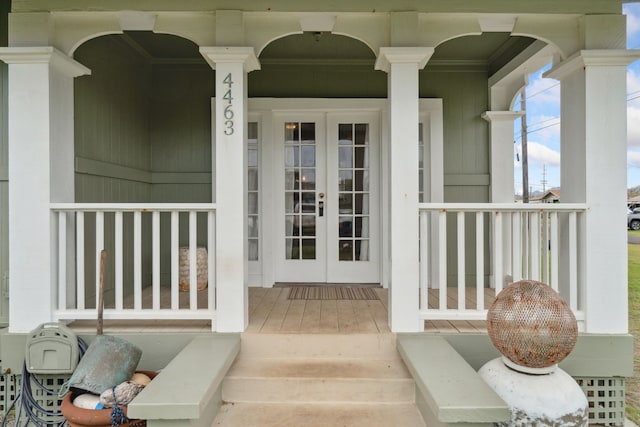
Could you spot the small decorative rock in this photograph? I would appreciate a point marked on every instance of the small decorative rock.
(534, 329)
(184, 271)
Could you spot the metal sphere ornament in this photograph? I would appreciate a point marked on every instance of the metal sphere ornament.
(532, 326)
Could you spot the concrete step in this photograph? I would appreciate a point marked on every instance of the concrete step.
(289, 380)
(318, 380)
(367, 346)
(318, 415)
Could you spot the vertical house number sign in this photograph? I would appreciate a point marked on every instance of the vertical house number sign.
(228, 109)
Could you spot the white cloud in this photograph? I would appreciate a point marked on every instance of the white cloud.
(633, 21)
(633, 125)
(633, 81)
(544, 128)
(543, 91)
(539, 154)
(633, 159)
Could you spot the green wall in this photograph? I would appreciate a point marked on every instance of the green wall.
(142, 134)
(466, 155)
(112, 140)
(181, 133)
(4, 172)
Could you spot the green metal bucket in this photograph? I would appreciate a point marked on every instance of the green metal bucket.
(107, 362)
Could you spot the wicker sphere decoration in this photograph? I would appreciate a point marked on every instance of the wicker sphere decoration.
(531, 325)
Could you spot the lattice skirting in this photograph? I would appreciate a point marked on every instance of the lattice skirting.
(10, 388)
(606, 397)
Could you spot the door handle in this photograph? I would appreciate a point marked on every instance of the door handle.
(320, 208)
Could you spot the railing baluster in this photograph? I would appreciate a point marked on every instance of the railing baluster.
(119, 270)
(99, 248)
(516, 237)
(80, 260)
(497, 253)
(211, 262)
(462, 295)
(534, 239)
(553, 256)
(175, 260)
(137, 260)
(526, 262)
(573, 261)
(62, 260)
(193, 260)
(424, 260)
(479, 261)
(156, 260)
(442, 259)
(544, 253)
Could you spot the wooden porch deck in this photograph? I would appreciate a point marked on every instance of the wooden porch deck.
(270, 311)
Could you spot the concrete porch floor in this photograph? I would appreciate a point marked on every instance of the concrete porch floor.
(270, 311)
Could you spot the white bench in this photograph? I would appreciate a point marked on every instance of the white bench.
(449, 392)
(188, 391)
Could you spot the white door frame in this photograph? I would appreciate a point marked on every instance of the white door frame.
(262, 110)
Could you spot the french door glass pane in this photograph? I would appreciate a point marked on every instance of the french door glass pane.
(299, 190)
(420, 164)
(253, 191)
(353, 192)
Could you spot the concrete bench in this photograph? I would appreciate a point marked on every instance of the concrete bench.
(187, 392)
(449, 392)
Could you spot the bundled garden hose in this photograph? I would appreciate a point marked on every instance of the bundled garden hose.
(26, 405)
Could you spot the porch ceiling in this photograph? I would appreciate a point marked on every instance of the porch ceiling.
(492, 49)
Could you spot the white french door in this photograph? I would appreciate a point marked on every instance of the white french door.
(326, 200)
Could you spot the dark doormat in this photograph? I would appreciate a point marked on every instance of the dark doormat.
(331, 293)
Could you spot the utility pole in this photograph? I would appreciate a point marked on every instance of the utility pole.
(544, 178)
(525, 157)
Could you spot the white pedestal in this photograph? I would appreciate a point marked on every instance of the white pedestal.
(553, 399)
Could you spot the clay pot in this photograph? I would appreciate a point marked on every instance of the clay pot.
(80, 417)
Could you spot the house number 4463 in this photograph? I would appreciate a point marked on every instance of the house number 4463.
(228, 109)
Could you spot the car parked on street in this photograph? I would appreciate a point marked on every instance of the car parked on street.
(633, 221)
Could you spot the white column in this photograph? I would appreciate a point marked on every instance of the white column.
(501, 154)
(502, 177)
(402, 65)
(232, 64)
(41, 171)
(594, 170)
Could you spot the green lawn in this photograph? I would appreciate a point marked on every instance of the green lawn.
(633, 384)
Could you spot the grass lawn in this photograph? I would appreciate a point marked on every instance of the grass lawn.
(633, 384)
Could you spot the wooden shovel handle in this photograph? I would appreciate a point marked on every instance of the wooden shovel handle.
(103, 260)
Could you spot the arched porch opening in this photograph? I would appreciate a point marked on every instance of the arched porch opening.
(142, 137)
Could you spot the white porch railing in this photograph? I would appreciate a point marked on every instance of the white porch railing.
(494, 245)
(142, 243)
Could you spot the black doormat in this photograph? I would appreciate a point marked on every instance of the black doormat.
(331, 293)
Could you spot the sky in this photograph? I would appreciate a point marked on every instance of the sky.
(543, 121)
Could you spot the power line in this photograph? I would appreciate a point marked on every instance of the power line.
(529, 132)
(543, 90)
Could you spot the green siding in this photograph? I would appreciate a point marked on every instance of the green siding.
(466, 155)
(181, 133)
(318, 81)
(112, 120)
(4, 172)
